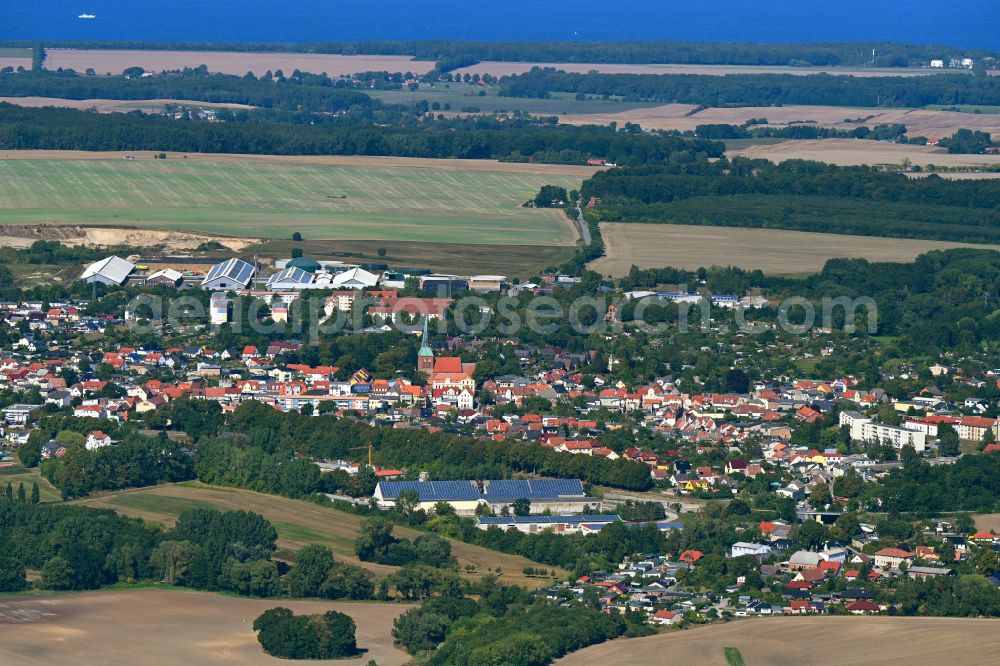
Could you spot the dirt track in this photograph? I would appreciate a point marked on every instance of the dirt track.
(809, 641)
(169, 626)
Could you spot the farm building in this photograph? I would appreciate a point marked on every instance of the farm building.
(488, 283)
(166, 277)
(111, 270)
(558, 524)
(230, 274)
(560, 495)
(356, 278)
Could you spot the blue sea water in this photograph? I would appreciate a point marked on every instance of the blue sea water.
(969, 23)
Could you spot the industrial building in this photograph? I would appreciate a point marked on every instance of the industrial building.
(557, 524)
(230, 274)
(111, 270)
(557, 495)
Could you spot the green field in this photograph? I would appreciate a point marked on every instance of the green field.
(17, 475)
(379, 199)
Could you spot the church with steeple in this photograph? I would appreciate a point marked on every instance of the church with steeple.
(451, 381)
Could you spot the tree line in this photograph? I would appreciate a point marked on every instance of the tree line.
(760, 89)
(300, 91)
(828, 54)
(517, 140)
(799, 195)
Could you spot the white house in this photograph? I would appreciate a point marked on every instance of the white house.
(97, 439)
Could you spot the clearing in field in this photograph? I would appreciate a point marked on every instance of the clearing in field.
(170, 626)
(229, 62)
(299, 524)
(461, 201)
(775, 251)
(847, 152)
(832, 640)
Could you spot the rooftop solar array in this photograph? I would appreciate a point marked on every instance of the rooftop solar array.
(496, 491)
(233, 269)
(533, 489)
(509, 520)
(432, 491)
(294, 275)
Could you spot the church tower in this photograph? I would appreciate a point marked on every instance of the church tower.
(425, 357)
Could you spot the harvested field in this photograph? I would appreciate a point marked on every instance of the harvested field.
(15, 62)
(169, 626)
(298, 523)
(919, 122)
(774, 251)
(987, 521)
(853, 151)
(116, 105)
(831, 641)
(463, 201)
(229, 62)
(507, 68)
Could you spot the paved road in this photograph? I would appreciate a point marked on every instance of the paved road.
(584, 229)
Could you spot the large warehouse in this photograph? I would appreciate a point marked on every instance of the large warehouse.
(556, 495)
(111, 270)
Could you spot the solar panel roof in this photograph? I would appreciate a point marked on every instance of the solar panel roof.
(497, 491)
(296, 275)
(233, 269)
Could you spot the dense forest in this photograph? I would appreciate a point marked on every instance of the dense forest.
(761, 89)
(857, 54)
(800, 195)
(518, 140)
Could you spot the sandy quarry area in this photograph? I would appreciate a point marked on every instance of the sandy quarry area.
(508, 68)
(853, 151)
(229, 62)
(170, 626)
(22, 236)
(809, 641)
(932, 124)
